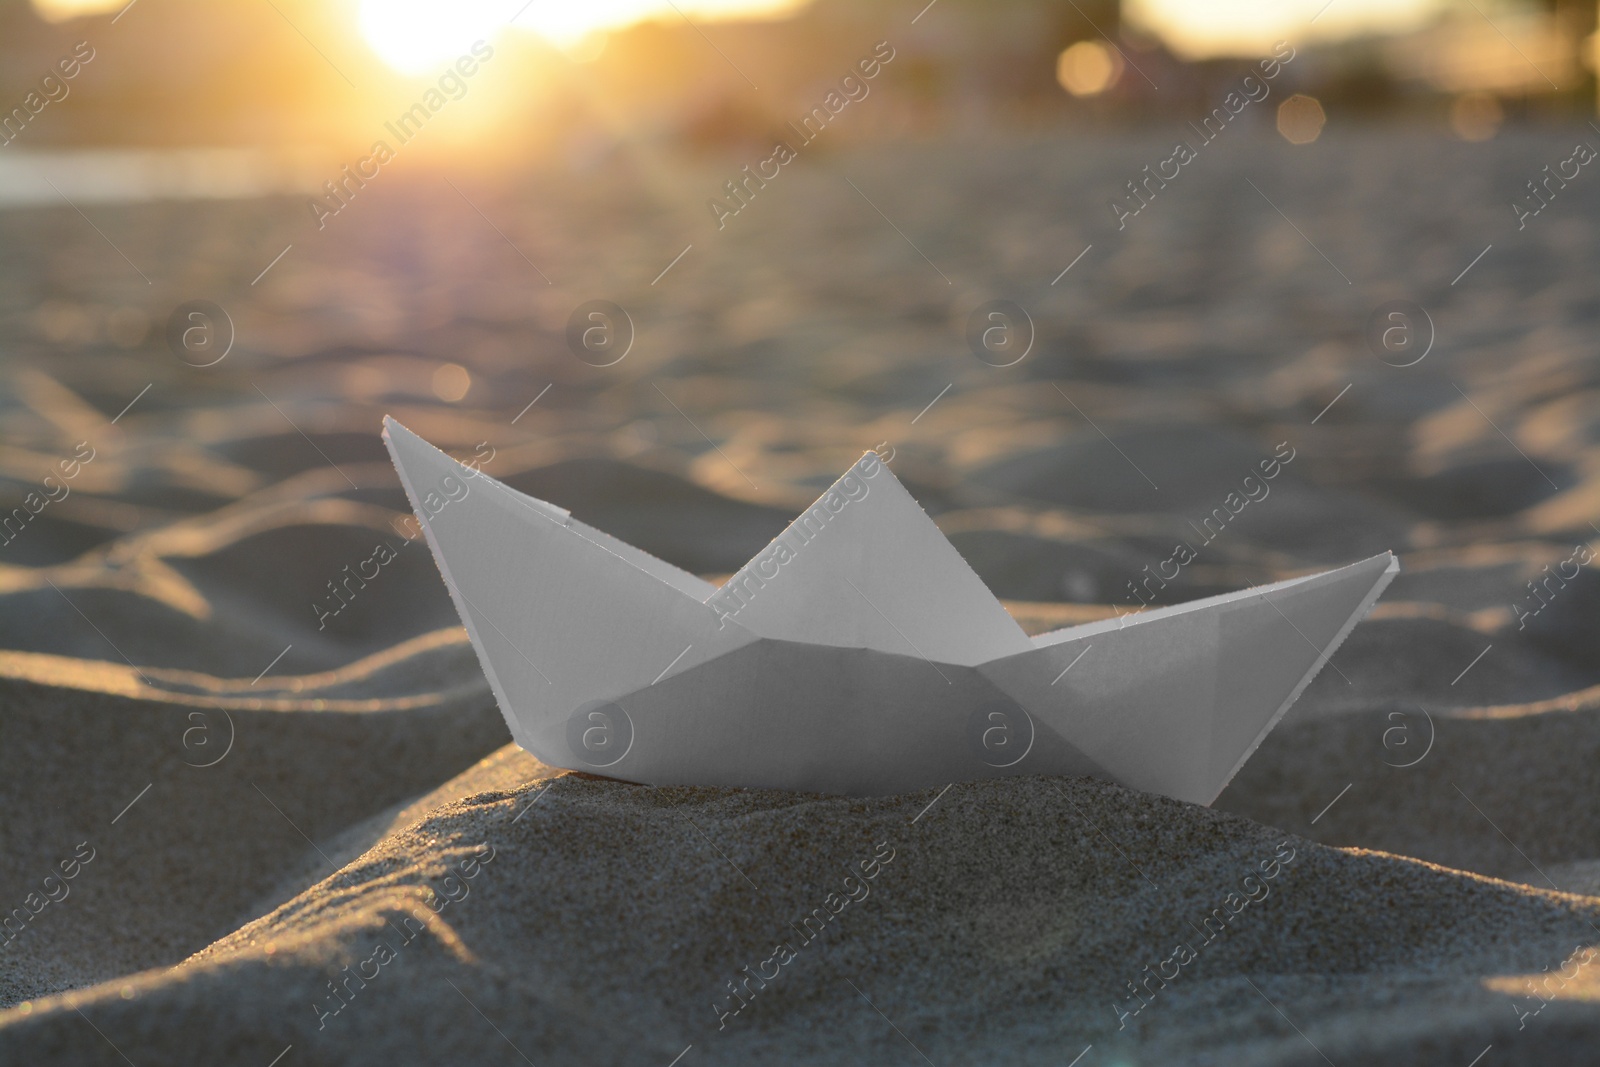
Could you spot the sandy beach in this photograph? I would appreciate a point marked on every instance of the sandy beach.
(294, 819)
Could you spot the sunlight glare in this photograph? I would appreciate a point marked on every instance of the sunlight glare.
(566, 25)
(414, 36)
(1198, 29)
(61, 10)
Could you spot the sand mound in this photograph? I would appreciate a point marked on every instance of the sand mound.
(157, 762)
(583, 920)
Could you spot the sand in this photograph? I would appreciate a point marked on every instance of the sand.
(269, 794)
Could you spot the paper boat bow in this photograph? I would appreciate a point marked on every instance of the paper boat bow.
(856, 654)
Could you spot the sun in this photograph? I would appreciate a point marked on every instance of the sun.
(415, 36)
(420, 36)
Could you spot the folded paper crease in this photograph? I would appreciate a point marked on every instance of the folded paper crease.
(857, 653)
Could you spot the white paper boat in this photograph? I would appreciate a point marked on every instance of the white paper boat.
(857, 654)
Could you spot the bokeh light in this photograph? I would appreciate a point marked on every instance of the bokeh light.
(1301, 118)
(1087, 68)
(451, 382)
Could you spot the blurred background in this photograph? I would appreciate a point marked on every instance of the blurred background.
(235, 235)
(1079, 268)
(576, 82)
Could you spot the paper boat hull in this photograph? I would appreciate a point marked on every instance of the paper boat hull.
(1172, 704)
(606, 660)
(1175, 701)
(784, 715)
